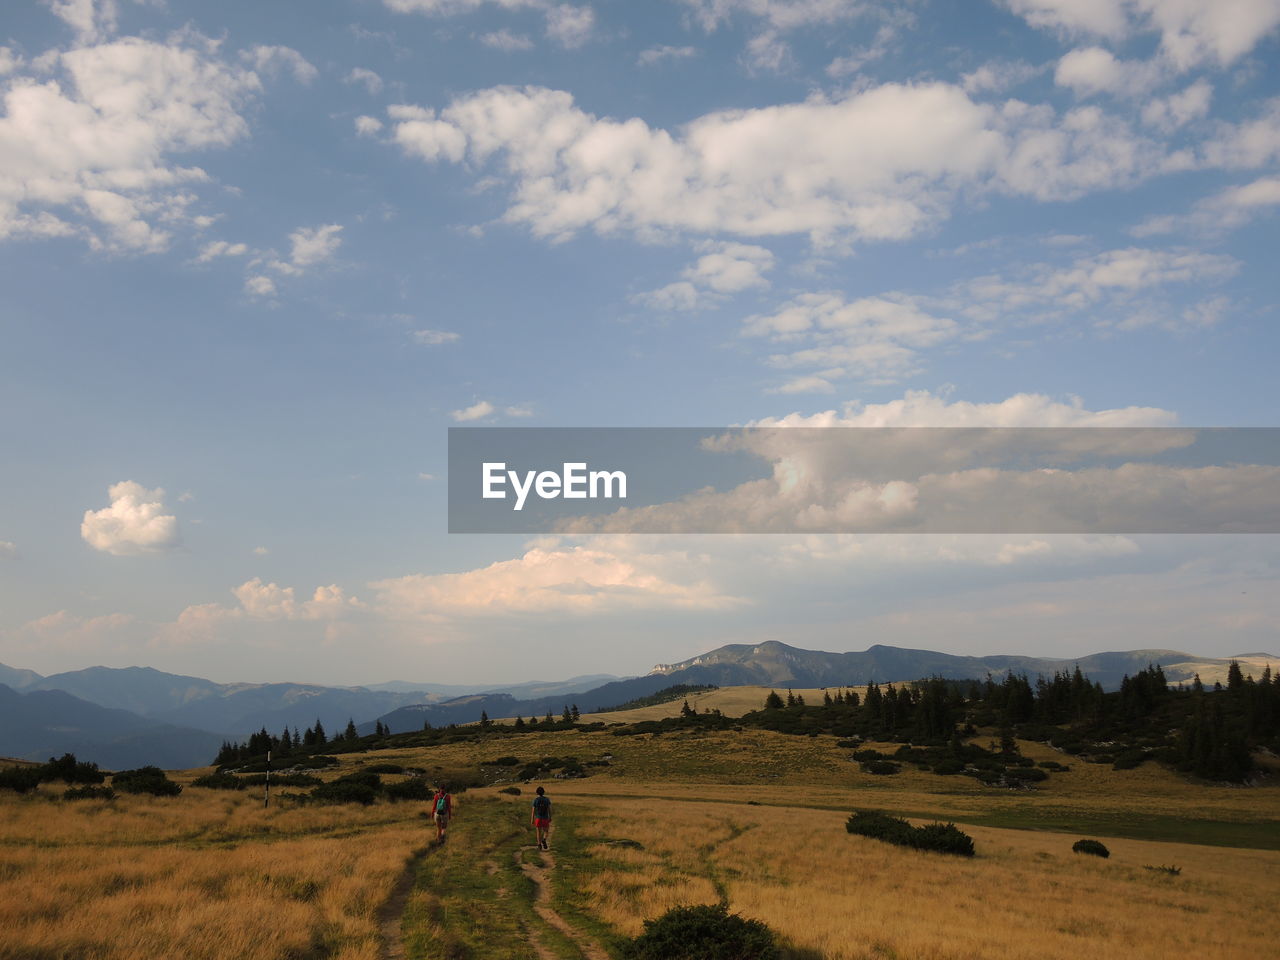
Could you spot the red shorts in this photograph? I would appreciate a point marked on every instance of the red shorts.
(541, 823)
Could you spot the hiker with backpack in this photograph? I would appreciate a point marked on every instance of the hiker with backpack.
(541, 816)
(441, 811)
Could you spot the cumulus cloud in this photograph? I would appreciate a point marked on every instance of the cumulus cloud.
(134, 523)
(556, 579)
(259, 286)
(568, 24)
(875, 338)
(1190, 33)
(271, 60)
(367, 126)
(1223, 211)
(91, 141)
(477, 411)
(876, 163)
(366, 78)
(722, 270)
(506, 40)
(221, 248)
(778, 14)
(309, 246)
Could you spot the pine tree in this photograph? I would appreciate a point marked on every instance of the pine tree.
(574, 714)
(773, 701)
(519, 724)
(351, 732)
(684, 710)
(1235, 679)
(484, 719)
(321, 738)
(567, 717)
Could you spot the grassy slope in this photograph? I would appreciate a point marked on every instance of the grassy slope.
(731, 701)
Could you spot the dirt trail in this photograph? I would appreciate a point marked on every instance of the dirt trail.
(391, 913)
(543, 908)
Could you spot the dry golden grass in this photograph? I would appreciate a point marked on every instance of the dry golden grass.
(203, 875)
(1026, 895)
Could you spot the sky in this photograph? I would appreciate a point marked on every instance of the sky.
(258, 258)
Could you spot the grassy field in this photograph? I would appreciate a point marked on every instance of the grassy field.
(750, 818)
(731, 701)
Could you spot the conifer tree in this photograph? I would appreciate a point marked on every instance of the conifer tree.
(351, 733)
(574, 714)
(773, 701)
(484, 719)
(321, 738)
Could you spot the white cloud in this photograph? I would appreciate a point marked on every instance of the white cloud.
(269, 601)
(1175, 111)
(90, 19)
(873, 338)
(309, 246)
(570, 26)
(67, 631)
(521, 411)
(1091, 70)
(555, 579)
(260, 286)
(921, 408)
(366, 78)
(997, 76)
(506, 40)
(1191, 32)
(221, 248)
(271, 60)
(9, 61)
(651, 55)
(134, 523)
(260, 551)
(8, 549)
(1226, 210)
(1248, 144)
(433, 338)
(90, 141)
(367, 126)
(477, 411)
(778, 14)
(723, 269)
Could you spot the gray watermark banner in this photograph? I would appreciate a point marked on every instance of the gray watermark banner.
(864, 480)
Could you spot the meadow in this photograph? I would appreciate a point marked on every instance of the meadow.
(750, 818)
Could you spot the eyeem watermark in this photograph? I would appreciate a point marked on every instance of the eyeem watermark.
(573, 482)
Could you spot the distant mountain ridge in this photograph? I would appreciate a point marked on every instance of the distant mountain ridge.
(775, 663)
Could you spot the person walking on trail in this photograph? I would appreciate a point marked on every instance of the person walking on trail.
(441, 811)
(541, 815)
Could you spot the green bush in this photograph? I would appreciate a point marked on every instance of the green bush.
(69, 770)
(703, 933)
(1026, 774)
(880, 767)
(219, 781)
(89, 792)
(20, 779)
(937, 837)
(1094, 847)
(1130, 759)
(514, 791)
(531, 772)
(414, 789)
(345, 791)
(318, 762)
(385, 768)
(503, 762)
(281, 780)
(948, 768)
(149, 779)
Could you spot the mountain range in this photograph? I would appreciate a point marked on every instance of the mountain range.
(131, 716)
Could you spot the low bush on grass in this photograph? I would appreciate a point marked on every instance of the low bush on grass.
(938, 837)
(880, 767)
(414, 789)
(514, 791)
(149, 779)
(703, 933)
(345, 791)
(69, 770)
(502, 762)
(219, 781)
(1093, 847)
(89, 792)
(20, 779)
(385, 768)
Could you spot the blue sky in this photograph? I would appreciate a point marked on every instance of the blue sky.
(257, 258)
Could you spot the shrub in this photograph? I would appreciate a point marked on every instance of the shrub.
(414, 789)
(69, 770)
(503, 762)
(219, 781)
(514, 791)
(1171, 871)
(149, 779)
(948, 768)
(345, 791)
(937, 837)
(318, 762)
(1026, 774)
(880, 767)
(20, 779)
(1093, 847)
(704, 933)
(531, 772)
(89, 792)
(1130, 759)
(281, 780)
(385, 768)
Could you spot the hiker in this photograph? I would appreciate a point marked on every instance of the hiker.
(541, 816)
(441, 811)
